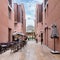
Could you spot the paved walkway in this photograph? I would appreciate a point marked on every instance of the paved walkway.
(33, 51)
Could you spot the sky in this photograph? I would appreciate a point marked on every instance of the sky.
(30, 9)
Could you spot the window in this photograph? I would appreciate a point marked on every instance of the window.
(10, 2)
(45, 2)
(46, 7)
(9, 34)
(37, 16)
(40, 13)
(45, 13)
(9, 13)
(22, 16)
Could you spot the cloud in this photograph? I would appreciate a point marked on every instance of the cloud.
(38, 1)
(29, 17)
(30, 22)
(30, 6)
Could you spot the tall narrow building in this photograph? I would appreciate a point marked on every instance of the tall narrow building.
(51, 19)
(19, 17)
(6, 21)
(10, 20)
(38, 22)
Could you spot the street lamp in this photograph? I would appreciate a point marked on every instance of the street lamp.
(54, 35)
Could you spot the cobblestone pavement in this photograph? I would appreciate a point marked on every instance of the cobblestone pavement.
(32, 51)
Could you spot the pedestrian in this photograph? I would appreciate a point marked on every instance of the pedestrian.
(41, 41)
(36, 40)
(41, 38)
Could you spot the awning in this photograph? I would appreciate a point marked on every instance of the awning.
(18, 33)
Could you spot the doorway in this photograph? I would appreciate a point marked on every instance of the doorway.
(46, 36)
(9, 34)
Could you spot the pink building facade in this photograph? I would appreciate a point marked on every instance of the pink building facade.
(11, 21)
(19, 18)
(51, 14)
(6, 21)
(38, 22)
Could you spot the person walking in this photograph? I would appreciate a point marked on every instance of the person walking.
(41, 38)
(36, 40)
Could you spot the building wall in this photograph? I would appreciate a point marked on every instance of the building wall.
(5, 23)
(24, 19)
(10, 21)
(39, 31)
(11, 24)
(20, 21)
(18, 18)
(38, 22)
(51, 16)
(18, 27)
(15, 12)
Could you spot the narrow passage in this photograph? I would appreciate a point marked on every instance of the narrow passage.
(32, 51)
